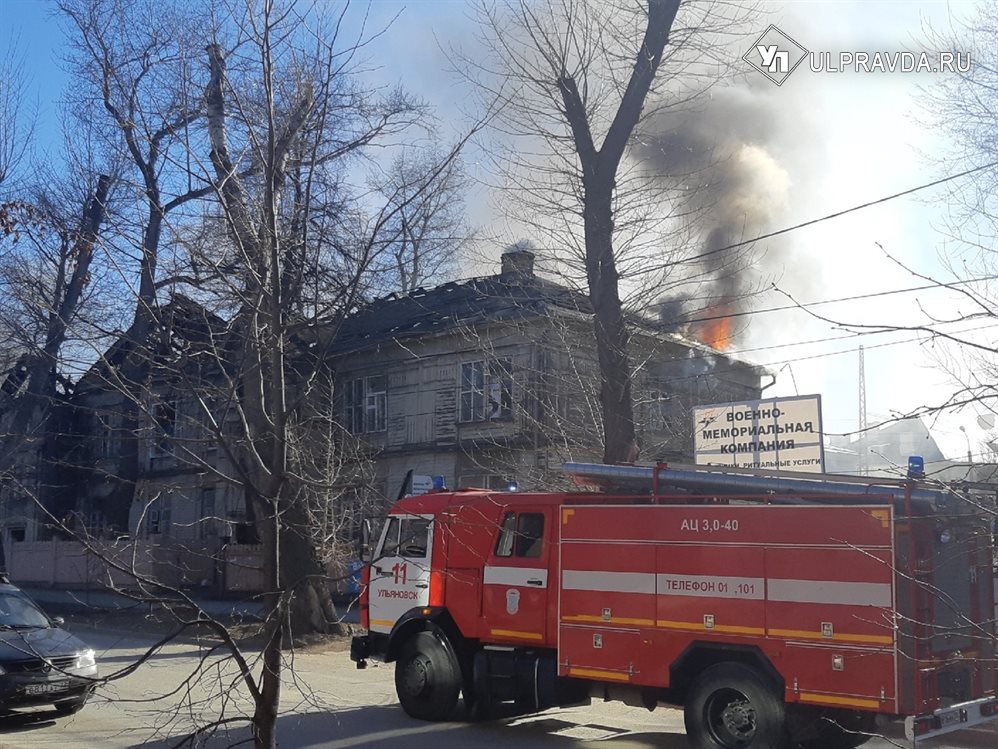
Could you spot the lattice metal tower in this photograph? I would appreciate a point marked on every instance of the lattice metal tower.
(864, 465)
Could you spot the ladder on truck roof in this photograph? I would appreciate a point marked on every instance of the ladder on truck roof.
(791, 487)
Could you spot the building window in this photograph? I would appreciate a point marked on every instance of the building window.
(367, 404)
(484, 481)
(108, 425)
(661, 412)
(209, 522)
(158, 517)
(165, 417)
(486, 390)
(94, 523)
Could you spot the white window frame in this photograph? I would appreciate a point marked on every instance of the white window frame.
(660, 411)
(158, 517)
(487, 394)
(366, 405)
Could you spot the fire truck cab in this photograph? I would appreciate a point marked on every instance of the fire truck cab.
(775, 609)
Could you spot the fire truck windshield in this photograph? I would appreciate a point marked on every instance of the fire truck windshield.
(406, 537)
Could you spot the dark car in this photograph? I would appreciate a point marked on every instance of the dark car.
(40, 664)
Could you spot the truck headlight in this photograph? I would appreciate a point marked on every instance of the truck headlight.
(945, 536)
(86, 659)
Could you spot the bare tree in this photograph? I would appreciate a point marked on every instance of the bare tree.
(44, 289)
(14, 139)
(280, 123)
(280, 244)
(428, 232)
(579, 82)
(140, 86)
(278, 251)
(16, 125)
(965, 105)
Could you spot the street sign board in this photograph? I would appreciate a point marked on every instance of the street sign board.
(421, 484)
(783, 434)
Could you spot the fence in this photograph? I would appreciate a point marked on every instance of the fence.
(243, 571)
(71, 564)
(232, 568)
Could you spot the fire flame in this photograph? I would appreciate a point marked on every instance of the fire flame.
(716, 332)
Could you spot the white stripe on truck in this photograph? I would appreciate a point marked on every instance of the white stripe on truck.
(829, 592)
(516, 576)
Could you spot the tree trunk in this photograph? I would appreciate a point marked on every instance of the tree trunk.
(268, 705)
(609, 327)
(599, 173)
(299, 573)
(304, 577)
(133, 374)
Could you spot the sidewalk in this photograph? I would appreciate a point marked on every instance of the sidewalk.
(58, 602)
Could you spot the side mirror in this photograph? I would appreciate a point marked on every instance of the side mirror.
(58, 621)
(366, 551)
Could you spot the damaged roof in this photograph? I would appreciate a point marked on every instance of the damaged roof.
(182, 326)
(515, 293)
(423, 311)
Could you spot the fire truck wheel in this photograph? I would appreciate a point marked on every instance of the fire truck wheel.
(427, 678)
(730, 706)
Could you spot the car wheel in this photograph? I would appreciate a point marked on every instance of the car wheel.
(427, 678)
(731, 706)
(68, 707)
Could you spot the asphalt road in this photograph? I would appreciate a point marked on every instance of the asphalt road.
(328, 704)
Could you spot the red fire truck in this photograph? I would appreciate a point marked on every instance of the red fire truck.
(777, 609)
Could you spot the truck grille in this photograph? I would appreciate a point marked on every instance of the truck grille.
(58, 663)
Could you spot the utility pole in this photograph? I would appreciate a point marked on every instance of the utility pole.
(864, 465)
(970, 451)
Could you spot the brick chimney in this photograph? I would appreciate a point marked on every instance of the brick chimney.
(517, 265)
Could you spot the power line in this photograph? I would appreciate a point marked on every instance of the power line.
(950, 463)
(853, 298)
(788, 229)
(837, 214)
(852, 350)
(825, 355)
(841, 352)
(857, 334)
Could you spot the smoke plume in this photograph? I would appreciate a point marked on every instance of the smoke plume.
(721, 156)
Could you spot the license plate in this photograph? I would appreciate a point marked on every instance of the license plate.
(47, 688)
(952, 717)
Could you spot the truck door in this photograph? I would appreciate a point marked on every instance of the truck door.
(515, 599)
(400, 572)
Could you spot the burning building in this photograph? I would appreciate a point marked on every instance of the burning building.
(497, 377)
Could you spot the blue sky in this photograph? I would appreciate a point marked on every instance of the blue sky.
(852, 138)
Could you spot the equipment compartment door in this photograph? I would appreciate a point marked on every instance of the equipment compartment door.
(400, 572)
(515, 599)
